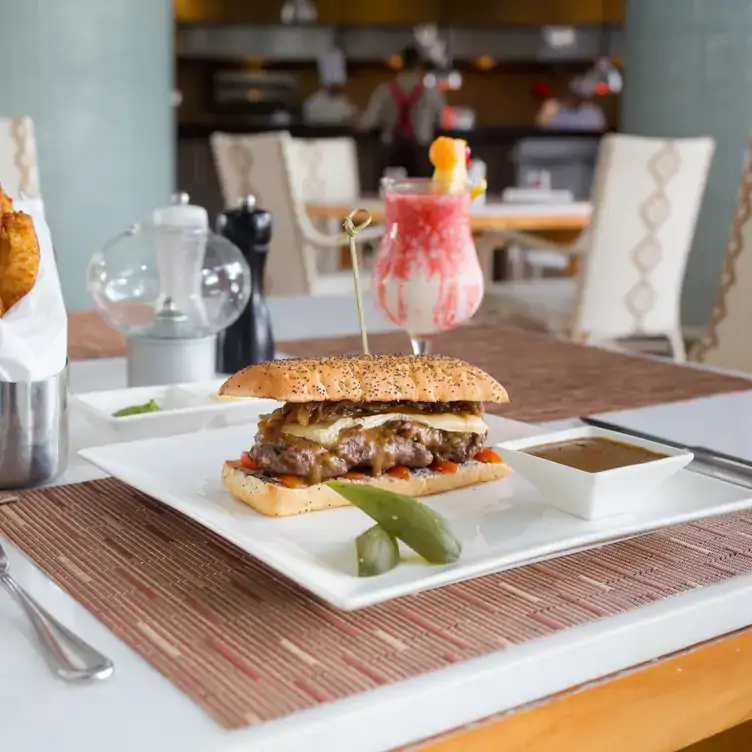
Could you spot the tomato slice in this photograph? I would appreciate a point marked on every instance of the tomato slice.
(292, 481)
(489, 456)
(355, 476)
(445, 466)
(399, 471)
(248, 462)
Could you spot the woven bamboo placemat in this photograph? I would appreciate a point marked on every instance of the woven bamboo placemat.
(548, 379)
(249, 646)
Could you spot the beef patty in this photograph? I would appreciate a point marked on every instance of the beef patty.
(395, 443)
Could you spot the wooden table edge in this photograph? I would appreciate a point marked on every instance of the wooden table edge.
(530, 222)
(661, 706)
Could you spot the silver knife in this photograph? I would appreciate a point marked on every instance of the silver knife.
(726, 463)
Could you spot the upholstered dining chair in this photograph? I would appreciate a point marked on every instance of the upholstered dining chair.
(270, 167)
(327, 169)
(19, 171)
(632, 258)
(727, 343)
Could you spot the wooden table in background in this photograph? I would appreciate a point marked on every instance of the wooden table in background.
(560, 223)
(495, 215)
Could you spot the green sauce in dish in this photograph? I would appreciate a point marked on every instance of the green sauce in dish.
(149, 407)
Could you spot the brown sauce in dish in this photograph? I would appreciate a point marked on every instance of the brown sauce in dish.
(594, 455)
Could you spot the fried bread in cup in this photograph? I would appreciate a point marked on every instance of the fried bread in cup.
(19, 254)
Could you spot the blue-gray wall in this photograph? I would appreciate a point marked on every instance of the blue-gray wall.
(97, 77)
(689, 73)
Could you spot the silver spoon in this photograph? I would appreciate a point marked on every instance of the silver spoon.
(69, 656)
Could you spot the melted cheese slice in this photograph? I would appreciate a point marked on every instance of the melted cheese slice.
(327, 433)
(229, 398)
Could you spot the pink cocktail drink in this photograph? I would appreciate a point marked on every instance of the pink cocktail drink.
(426, 276)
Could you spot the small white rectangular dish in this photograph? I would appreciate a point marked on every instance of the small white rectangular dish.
(593, 495)
(183, 408)
(501, 524)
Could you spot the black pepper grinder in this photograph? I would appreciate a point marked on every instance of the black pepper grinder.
(249, 340)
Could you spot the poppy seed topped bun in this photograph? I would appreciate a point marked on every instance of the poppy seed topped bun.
(366, 378)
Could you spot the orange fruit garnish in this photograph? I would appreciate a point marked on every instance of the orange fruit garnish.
(443, 154)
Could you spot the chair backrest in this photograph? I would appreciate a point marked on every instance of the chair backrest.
(727, 343)
(258, 165)
(19, 170)
(324, 168)
(646, 197)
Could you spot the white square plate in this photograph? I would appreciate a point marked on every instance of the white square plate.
(501, 524)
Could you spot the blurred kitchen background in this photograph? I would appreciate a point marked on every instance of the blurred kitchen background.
(125, 94)
(245, 67)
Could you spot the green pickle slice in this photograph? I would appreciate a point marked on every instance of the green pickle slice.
(378, 552)
(415, 524)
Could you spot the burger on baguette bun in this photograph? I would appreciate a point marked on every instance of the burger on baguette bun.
(412, 424)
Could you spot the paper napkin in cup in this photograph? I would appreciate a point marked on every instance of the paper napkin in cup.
(34, 332)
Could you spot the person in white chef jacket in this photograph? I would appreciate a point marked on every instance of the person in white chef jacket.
(329, 105)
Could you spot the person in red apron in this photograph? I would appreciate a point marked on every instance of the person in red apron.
(407, 114)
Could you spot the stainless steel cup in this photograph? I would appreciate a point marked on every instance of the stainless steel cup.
(33, 431)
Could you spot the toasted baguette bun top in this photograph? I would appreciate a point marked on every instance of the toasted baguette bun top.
(366, 378)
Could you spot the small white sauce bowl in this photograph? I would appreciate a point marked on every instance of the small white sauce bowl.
(592, 495)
